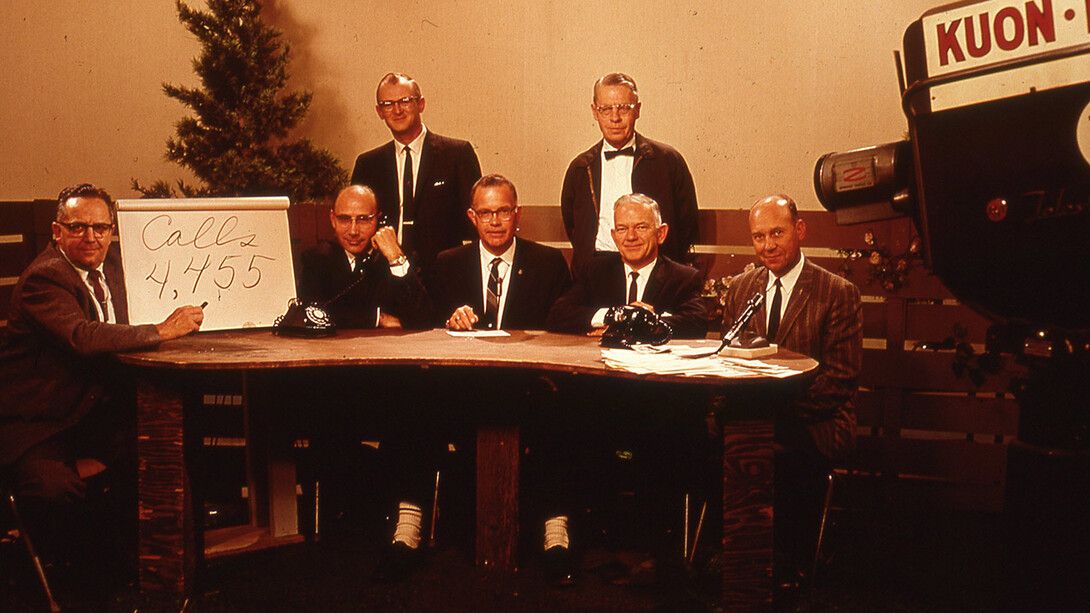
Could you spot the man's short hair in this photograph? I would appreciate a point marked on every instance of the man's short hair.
(642, 200)
(493, 180)
(791, 206)
(395, 77)
(83, 190)
(616, 78)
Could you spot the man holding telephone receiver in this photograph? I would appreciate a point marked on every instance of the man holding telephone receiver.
(364, 280)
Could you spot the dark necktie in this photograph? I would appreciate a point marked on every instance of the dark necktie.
(774, 314)
(492, 303)
(614, 153)
(95, 277)
(407, 205)
(632, 289)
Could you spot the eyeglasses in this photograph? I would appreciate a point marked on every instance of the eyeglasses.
(347, 220)
(623, 109)
(402, 103)
(640, 228)
(79, 228)
(505, 214)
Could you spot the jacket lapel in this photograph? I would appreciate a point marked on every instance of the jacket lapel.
(799, 296)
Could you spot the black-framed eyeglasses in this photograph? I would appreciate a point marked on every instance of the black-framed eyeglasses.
(401, 103)
(347, 220)
(80, 228)
(623, 109)
(505, 214)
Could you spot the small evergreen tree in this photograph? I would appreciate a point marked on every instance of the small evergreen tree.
(236, 141)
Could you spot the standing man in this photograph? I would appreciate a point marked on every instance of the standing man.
(624, 162)
(812, 311)
(421, 180)
(641, 276)
(364, 279)
(498, 281)
(61, 420)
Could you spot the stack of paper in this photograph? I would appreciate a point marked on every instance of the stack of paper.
(670, 361)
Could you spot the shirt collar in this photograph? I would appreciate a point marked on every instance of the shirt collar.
(508, 256)
(416, 146)
(608, 147)
(644, 271)
(787, 281)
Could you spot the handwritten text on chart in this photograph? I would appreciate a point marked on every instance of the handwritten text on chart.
(231, 255)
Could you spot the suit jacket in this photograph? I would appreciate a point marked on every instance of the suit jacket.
(673, 288)
(659, 171)
(448, 170)
(538, 277)
(53, 365)
(823, 320)
(325, 273)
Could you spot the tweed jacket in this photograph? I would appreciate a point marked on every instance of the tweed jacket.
(54, 367)
(823, 320)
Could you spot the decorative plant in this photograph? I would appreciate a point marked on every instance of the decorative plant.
(236, 140)
(887, 270)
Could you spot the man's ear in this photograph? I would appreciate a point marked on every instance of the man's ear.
(662, 232)
(56, 231)
(800, 228)
(469, 214)
(421, 102)
(332, 219)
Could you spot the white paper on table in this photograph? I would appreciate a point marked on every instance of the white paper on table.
(478, 333)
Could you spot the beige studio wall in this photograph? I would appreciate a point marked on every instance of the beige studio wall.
(750, 92)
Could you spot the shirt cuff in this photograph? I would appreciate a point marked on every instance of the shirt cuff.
(400, 270)
(599, 319)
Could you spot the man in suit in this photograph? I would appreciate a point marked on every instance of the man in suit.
(60, 418)
(642, 276)
(624, 162)
(498, 281)
(421, 180)
(364, 280)
(811, 311)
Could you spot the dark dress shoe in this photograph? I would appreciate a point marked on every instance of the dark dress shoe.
(558, 566)
(397, 563)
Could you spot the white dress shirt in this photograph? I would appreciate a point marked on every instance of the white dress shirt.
(508, 260)
(787, 284)
(616, 182)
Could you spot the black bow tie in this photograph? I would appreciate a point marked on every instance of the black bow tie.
(626, 151)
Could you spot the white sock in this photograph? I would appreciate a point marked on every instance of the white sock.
(556, 532)
(409, 520)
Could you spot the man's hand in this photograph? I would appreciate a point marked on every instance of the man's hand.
(385, 320)
(643, 305)
(385, 240)
(182, 321)
(462, 319)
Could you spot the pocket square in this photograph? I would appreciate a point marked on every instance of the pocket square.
(438, 184)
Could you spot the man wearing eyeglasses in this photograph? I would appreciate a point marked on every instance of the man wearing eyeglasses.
(421, 179)
(60, 421)
(364, 279)
(498, 281)
(624, 162)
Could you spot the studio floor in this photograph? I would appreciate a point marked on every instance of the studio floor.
(880, 559)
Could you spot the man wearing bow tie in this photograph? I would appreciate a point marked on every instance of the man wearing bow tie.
(421, 180)
(624, 162)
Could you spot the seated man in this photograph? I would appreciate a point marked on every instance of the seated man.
(812, 311)
(357, 287)
(498, 281)
(641, 277)
(60, 418)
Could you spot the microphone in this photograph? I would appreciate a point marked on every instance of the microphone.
(752, 305)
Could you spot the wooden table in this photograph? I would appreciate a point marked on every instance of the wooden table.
(171, 541)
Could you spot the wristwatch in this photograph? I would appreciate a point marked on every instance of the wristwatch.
(401, 259)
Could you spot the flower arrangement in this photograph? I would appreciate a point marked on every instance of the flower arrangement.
(883, 267)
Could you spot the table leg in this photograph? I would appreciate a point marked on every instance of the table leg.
(747, 516)
(497, 497)
(168, 541)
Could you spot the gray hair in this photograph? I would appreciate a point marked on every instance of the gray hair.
(640, 200)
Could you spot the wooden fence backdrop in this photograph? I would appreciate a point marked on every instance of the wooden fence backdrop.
(925, 433)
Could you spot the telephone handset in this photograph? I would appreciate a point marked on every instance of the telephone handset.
(312, 320)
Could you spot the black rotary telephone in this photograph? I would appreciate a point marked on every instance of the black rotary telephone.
(632, 325)
(312, 320)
